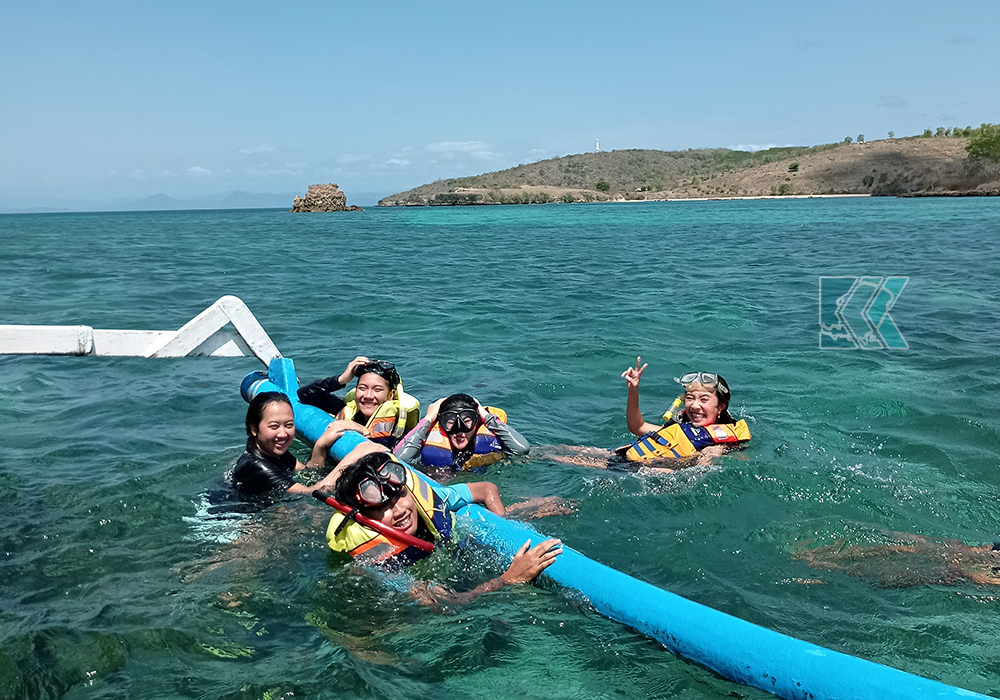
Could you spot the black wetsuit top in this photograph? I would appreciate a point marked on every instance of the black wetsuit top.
(320, 394)
(256, 474)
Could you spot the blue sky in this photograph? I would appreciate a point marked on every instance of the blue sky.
(108, 100)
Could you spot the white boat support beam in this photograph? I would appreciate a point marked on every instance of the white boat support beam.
(225, 329)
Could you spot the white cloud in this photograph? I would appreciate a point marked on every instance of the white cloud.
(753, 147)
(199, 171)
(354, 158)
(398, 162)
(261, 148)
(484, 155)
(456, 146)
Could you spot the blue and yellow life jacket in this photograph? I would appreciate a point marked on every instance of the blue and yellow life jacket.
(371, 547)
(390, 421)
(679, 440)
(437, 452)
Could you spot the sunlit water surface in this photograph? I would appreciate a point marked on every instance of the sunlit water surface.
(115, 582)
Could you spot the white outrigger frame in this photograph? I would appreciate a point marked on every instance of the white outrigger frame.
(205, 334)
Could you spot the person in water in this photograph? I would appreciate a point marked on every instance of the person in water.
(377, 406)
(459, 433)
(382, 489)
(915, 561)
(704, 428)
(266, 465)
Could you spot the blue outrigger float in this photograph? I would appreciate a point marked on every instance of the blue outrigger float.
(733, 648)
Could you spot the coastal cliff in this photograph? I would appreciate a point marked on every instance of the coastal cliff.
(912, 166)
(323, 198)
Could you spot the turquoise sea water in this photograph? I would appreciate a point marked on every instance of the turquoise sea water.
(115, 583)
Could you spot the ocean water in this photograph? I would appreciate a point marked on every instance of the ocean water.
(116, 581)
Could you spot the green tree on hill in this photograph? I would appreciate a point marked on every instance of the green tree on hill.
(603, 186)
(985, 143)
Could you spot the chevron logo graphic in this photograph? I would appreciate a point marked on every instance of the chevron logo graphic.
(854, 313)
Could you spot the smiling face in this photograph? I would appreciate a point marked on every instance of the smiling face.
(276, 430)
(399, 512)
(701, 404)
(459, 441)
(371, 392)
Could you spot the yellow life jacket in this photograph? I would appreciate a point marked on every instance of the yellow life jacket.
(390, 421)
(371, 547)
(436, 451)
(679, 440)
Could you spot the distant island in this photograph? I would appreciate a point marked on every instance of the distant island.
(322, 198)
(928, 165)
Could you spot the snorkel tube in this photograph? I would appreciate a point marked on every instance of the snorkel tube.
(672, 412)
(388, 531)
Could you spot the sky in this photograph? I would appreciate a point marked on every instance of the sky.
(106, 101)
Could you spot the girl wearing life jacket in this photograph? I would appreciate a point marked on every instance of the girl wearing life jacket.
(406, 505)
(377, 406)
(458, 433)
(704, 429)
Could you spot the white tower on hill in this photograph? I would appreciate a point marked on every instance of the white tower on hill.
(597, 146)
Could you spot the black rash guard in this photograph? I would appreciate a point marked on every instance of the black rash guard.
(255, 474)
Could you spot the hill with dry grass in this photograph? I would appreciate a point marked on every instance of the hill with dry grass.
(901, 167)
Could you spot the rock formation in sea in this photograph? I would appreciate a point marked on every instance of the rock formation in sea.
(323, 198)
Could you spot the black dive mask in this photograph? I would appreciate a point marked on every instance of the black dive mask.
(460, 421)
(382, 368)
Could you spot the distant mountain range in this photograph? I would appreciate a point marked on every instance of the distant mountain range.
(163, 202)
(231, 200)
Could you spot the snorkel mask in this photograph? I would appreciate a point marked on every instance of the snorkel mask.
(382, 368)
(459, 421)
(709, 379)
(372, 485)
(459, 414)
(382, 484)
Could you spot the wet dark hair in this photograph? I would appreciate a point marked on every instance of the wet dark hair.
(457, 402)
(384, 369)
(347, 485)
(255, 411)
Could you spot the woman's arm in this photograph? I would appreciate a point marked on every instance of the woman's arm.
(633, 416)
(321, 448)
(409, 448)
(330, 480)
(487, 493)
(348, 374)
(527, 564)
(511, 441)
